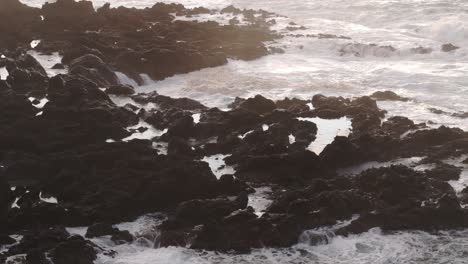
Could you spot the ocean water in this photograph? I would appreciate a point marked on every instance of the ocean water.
(347, 67)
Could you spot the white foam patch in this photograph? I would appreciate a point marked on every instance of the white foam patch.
(149, 133)
(50, 199)
(34, 43)
(20, 258)
(462, 182)
(124, 79)
(369, 247)
(146, 79)
(3, 73)
(218, 166)
(81, 231)
(49, 61)
(292, 139)
(245, 134)
(450, 29)
(260, 200)
(143, 225)
(328, 129)
(41, 104)
(196, 118)
(15, 203)
(322, 235)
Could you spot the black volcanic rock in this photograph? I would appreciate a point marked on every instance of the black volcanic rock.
(341, 153)
(122, 237)
(293, 105)
(257, 104)
(165, 102)
(100, 229)
(445, 172)
(449, 47)
(93, 68)
(120, 89)
(75, 250)
(5, 198)
(198, 211)
(243, 230)
(387, 96)
(17, 22)
(40, 240)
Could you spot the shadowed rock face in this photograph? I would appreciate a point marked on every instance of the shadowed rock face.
(5, 198)
(132, 41)
(17, 23)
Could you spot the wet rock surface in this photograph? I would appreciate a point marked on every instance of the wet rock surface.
(78, 149)
(133, 41)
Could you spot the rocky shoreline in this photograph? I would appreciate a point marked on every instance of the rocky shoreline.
(78, 146)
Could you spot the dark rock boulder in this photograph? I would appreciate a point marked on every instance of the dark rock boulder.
(198, 211)
(179, 147)
(100, 229)
(396, 126)
(181, 127)
(423, 139)
(448, 47)
(257, 104)
(243, 230)
(342, 152)
(28, 83)
(444, 214)
(94, 69)
(27, 76)
(387, 96)
(122, 237)
(17, 21)
(138, 181)
(68, 15)
(5, 199)
(293, 105)
(165, 102)
(75, 250)
(40, 240)
(35, 256)
(182, 227)
(6, 240)
(120, 89)
(285, 168)
(444, 172)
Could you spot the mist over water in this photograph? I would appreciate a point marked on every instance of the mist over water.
(344, 67)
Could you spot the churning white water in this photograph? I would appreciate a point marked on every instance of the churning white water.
(346, 67)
